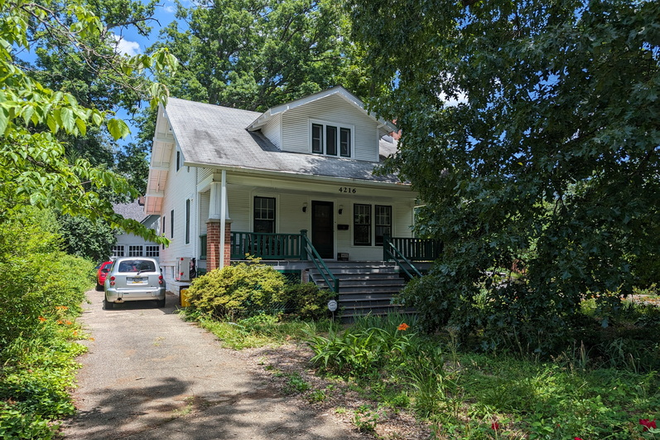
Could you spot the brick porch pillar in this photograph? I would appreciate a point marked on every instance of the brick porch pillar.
(213, 244)
(227, 260)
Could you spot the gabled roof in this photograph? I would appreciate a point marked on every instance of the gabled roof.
(336, 91)
(133, 210)
(213, 136)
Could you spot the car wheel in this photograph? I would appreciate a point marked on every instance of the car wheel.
(107, 305)
(160, 303)
(99, 287)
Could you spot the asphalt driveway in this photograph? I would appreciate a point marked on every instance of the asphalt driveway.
(150, 375)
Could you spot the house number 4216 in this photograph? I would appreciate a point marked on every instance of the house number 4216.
(345, 189)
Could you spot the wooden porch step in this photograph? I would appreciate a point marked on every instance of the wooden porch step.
(365, 287)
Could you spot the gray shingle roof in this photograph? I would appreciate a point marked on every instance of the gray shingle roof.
(210, 135)
(132, 210)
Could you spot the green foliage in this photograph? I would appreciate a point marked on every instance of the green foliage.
(256, 331)
(92, 240)
(16, 425)
(255, 54)
(363, 350)
(530, 130)
(467, 396)
(41, 294)
(306, 301)
(295, 384)
(35, 169)
(37, 277)
(238, 291)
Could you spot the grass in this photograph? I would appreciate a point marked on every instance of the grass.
(582, 393)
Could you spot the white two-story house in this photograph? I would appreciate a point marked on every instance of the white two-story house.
(294, 185)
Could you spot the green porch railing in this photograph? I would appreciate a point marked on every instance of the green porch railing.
(406, 250)
(414, 249)
(390, 252)
(266, 246)
(309, 251)
(281, 246)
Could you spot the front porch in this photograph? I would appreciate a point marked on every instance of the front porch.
(361, 287)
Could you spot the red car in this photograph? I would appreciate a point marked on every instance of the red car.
(104, 268)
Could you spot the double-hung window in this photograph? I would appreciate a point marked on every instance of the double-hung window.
(264, 214)
(363, 221)
(331, 139)
(362, 225)
(383, 216)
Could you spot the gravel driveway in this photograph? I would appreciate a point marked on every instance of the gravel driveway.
(150, 375)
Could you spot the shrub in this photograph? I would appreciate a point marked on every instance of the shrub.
(41, 292)
(239, 291)
(306, 301)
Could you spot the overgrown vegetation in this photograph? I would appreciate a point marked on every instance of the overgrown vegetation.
(251, 289)
(608, 388)
(41, 293)
(608, 392)
(529, 130)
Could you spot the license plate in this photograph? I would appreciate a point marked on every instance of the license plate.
(136, 280)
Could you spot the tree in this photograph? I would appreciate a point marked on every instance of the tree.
(34, 169)
(88, 71)
(254, 54)
(531, 130)
(88, 239)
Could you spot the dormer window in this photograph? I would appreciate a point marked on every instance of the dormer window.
(331, 139)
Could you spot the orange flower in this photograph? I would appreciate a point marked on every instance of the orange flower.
(403, 327)
(61, 307)
(42, 319)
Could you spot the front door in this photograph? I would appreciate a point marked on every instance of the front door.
(323, 237)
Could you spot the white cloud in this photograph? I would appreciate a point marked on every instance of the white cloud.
(169, 9)
(126, 47)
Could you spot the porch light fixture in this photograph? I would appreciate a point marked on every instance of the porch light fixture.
(341, 209)
(305, 207)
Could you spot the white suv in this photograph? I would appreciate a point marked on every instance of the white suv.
(134, 279)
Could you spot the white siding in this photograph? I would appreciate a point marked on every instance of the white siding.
(272, 130)
(181, 185)
(295, 126)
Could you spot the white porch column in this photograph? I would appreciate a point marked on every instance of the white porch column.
(223, 217)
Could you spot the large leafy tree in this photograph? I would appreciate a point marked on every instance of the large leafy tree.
(531, 130)
(34, 168)
(254, 54)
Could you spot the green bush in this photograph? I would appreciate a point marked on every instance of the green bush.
(306, 301)
(238, 291)
(37, 278)
(41, 293)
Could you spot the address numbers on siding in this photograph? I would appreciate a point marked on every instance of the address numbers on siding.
(346, 189)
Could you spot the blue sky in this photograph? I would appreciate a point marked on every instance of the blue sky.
(131, 43)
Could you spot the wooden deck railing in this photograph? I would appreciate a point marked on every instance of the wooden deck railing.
(414, 249)
(266, 246)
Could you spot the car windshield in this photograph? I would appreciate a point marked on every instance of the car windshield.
(137, 266)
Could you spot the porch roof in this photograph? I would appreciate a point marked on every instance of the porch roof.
(214, 136)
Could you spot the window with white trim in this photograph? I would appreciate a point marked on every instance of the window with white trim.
(383, 217)
(361, 225)
(264, 214)
(152, 251)
(331, 139)
(118, 250)
(135, 251)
